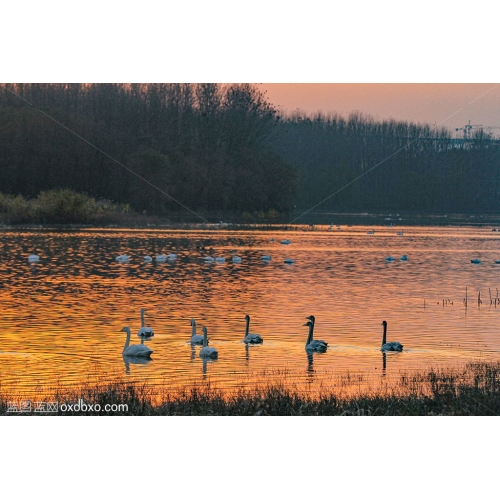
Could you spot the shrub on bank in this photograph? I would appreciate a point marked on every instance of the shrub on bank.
(57, 206)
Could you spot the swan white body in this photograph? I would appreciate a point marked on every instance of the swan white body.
(161, 258)
(148, 258)
(122, 258)
(251, 338)
(289, 261)
(171, 256)
(311, 344)
(285, 242)
(236, 259)
(205, 351)
(33, 258)
(196, 339)
(390, 258)
(135, 349)
(266, 257)
(475, 261)
(404, 257)
(144, 331)
(220, 260)
(389, 346)
(208, 259)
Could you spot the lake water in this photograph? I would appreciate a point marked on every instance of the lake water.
(61, 317)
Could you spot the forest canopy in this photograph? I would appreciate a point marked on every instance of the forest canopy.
(225, 147)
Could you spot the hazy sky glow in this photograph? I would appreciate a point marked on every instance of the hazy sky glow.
(450, 105)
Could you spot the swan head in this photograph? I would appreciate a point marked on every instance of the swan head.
(192, 321)
(384, 323)
(309, 323)
(204, 330)
(125, 329)
(311, 318)
(247, 317)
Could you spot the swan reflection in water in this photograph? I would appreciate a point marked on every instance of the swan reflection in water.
(135, 361)
(310, 362)
(206, 362)
(384, 363)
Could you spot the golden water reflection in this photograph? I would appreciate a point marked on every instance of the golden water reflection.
(62, 316)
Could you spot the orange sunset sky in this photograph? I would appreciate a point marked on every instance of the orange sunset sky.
(446, 104)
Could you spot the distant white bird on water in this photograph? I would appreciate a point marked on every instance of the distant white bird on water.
(389, 346)
(148, 258)
(289, 261)
(251, 338)
(205, 351)
(266, 257)
(220, 260)
(33, 258)
(475, 261)
(390, 258)
(208, 259)
(195, 339)
(144, 331)
(122, 258)
(171, 256)
(135, 349)
(285, 242)
(161, 258)
(236, 259)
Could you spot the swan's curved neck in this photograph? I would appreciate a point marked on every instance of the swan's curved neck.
(193, 328)
(310, 336)
(384, 338)
(205, 343)
(127, 342)
(143, 324)
(247, 327)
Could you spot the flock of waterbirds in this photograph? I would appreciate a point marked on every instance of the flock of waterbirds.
(206, 352)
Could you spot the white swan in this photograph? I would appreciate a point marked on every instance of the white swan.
(266, 257)
(314, 345)
(285, 242)
(148, 258)
(195, 339)
(220, 259)
(144, 331)
(33, 258)
(136, 349)
(251, 338)
(475, 261)
(289, 261)
(208, 259)
(236, 259)
(205, 351)
(161, 258)
(122, 258)
(171, 256)
(389, 346)
(390, 258)
(404, 257)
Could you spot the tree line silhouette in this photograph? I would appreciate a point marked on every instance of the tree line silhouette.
(216, 147)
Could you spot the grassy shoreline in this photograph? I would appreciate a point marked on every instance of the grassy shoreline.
(470, 390)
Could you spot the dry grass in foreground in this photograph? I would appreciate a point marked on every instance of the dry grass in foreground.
(473, 389)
